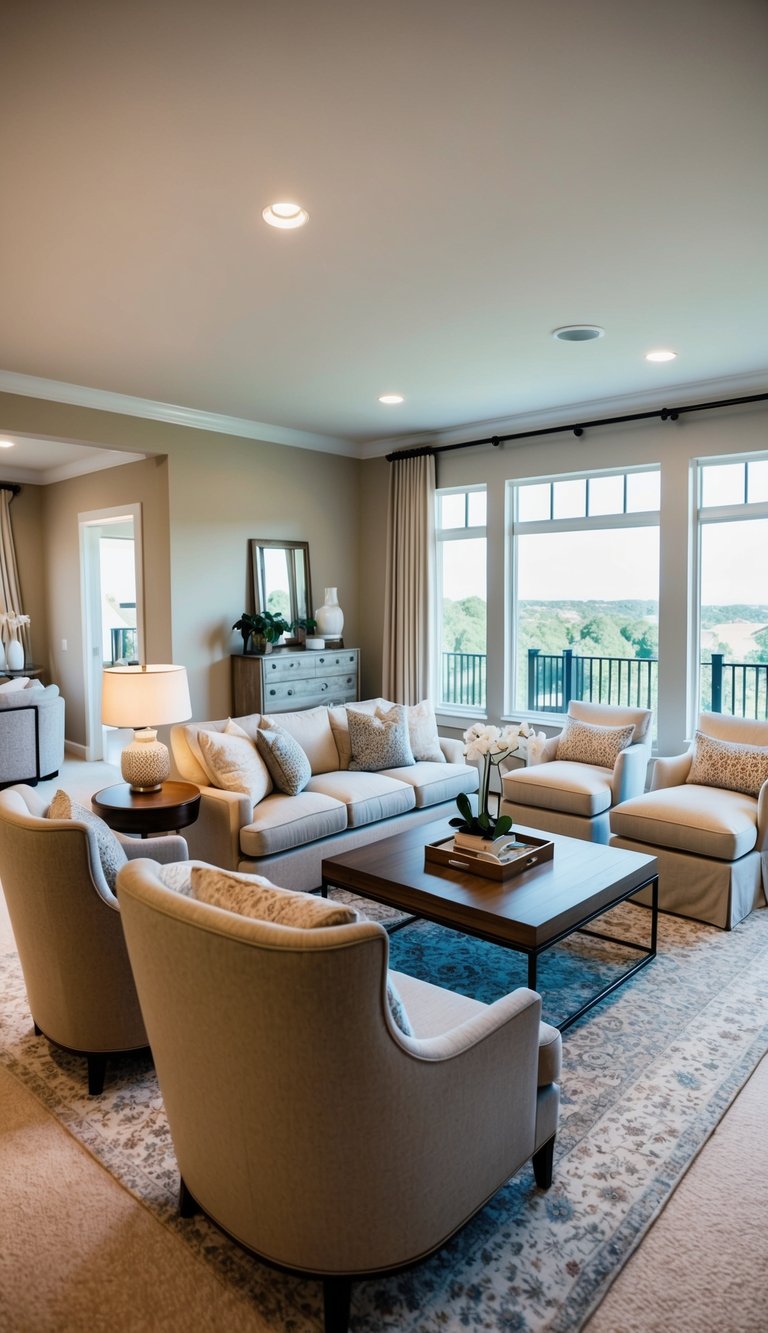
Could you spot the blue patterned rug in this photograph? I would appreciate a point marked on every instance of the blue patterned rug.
(647, 1075)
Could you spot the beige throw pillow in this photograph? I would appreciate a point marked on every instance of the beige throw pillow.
(728, 764)
(233, 763)
(255, 897)
(422, 733)
(589, 744)
(111, 851)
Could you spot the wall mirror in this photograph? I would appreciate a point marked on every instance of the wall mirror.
(280, 575)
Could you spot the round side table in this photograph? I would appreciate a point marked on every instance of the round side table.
(173, 808)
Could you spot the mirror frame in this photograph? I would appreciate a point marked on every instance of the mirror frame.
(259, 593)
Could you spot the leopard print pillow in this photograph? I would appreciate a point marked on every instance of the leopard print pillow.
(728, 764)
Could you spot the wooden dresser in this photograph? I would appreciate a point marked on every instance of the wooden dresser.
(290, 678)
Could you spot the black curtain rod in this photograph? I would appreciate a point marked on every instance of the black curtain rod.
(664, 414)
(10, 486)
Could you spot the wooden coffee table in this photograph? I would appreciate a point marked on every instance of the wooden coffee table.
(528, 913)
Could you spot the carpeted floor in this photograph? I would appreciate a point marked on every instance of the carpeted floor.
(647, 1076)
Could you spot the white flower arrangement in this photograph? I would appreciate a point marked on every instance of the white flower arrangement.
(489, 745)
(12, 620)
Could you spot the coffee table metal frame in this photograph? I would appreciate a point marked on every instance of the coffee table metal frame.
(372, 872)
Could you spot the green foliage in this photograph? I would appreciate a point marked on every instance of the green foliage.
(464, 625)
(482, 825)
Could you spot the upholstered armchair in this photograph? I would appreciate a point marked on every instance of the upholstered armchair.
(599, 758)
(306, 1123)
(68, 931)
(31, 733)
(705, 819)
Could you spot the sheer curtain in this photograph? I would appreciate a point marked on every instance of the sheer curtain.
(408, 599)
(10, 588)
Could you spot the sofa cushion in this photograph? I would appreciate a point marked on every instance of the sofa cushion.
(311, 727)
(690, 818)
(281, 822)
(436, 782)
(287, 763)
(233, 763)
(379, 740)
(570, 788)
(367, 796)
(256, 897)
(717, 763)
(111, 852)
(586, 743)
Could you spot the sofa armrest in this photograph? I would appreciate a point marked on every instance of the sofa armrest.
(671, 771)
(215, 835)
(452, 749)
(630, 773)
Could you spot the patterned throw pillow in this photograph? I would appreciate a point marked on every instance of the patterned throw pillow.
(728, 764)
(253, 896)
(590, 744)
(111, 852)
(397, 1008)
(379, 740)
(233, 764)
(287, 763)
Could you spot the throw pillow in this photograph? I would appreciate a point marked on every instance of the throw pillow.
(397, 1008)
(311, 728)
(287, 763)
(111, 852)
(422, 733)
(590, 744)
(379, 741)
(252, 896)
(728, 764)
(233, 764)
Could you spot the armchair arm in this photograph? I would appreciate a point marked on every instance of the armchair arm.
(215, 835)
(630, 773)
(169, 848)
(671, 771)
(762, 818)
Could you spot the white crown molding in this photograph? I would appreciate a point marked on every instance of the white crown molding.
(79, 395)
(674, 395)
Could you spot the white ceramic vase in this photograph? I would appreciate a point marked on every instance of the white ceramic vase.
(329, 616)
(14, 655)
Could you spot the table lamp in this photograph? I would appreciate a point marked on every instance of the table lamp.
(145, 697)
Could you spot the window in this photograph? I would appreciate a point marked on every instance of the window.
(732, 664)
(585, 595)
(461, 600)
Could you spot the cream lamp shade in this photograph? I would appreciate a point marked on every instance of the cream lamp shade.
(145, 697)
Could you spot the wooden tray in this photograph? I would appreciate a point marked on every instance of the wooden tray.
(536, 851)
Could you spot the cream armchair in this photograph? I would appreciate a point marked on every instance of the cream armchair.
(574, 796)
(711, 842)
(305, 1123)
(68, 931)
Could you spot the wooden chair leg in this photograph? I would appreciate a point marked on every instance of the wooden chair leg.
(97, 1068)
(542, 1164)
(188, 1205)
(337, 1292)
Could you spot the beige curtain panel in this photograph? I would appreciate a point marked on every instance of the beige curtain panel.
(10, 588)
(408, 610)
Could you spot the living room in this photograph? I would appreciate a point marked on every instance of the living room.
(235, 376)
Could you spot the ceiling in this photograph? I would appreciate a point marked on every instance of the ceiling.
(476, 175)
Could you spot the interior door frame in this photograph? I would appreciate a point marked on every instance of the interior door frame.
(91, 526)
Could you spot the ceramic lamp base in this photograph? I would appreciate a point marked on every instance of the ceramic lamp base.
(145, 764)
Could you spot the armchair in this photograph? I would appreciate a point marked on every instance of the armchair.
(305, 1123)
(573, 796)
(31, 734)
(68, 931)
(711, 841)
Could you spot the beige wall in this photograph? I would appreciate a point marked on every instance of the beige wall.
(202, 499)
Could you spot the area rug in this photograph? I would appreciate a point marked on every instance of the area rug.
(647, 1074)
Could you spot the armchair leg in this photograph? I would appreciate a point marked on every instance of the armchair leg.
(542, 1164)
(188, 1205)
(97, 1068)
(337, 1292)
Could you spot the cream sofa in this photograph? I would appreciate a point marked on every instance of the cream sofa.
(287, 837)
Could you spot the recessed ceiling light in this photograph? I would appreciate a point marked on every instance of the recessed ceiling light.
(7, 444)
(661, 355)
(578, 333)
(285, 215)
(391, 398)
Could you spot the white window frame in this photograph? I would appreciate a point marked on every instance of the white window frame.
(445, 710)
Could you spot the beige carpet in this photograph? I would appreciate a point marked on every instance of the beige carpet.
(78, 1251)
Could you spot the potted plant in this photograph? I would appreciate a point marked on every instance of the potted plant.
(263, 628)
(487, 746)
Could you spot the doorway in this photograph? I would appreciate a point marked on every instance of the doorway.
(112, 595)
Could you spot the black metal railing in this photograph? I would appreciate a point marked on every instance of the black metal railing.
(738, 688)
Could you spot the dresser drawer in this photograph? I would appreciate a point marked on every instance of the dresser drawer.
(301, 667)
(333, 664)
(283, 691)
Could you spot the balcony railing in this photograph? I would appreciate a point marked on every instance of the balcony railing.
(738, 688)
